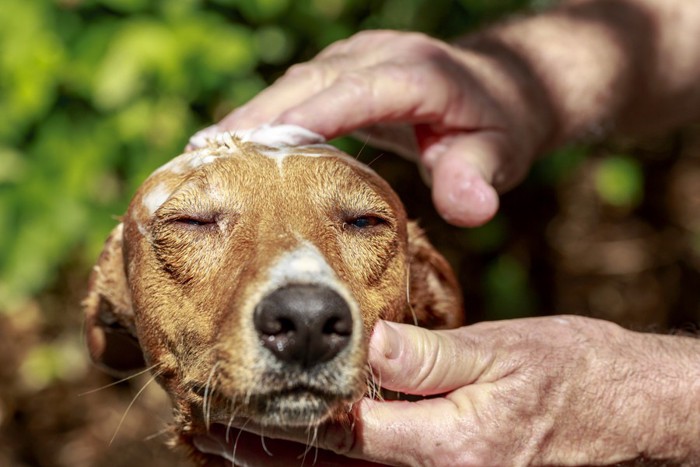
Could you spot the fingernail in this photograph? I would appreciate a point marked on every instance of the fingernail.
(385, 342)
(209, 445)
(432, 153)
(476, 198)
(201, 138)
(464, 197)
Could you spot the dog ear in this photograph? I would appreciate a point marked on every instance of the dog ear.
(434, 294)
(109, 318)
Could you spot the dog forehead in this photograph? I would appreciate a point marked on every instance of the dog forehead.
(228, 149)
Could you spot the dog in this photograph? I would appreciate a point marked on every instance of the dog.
(248, 273)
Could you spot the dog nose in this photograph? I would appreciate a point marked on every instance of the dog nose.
(304, 324)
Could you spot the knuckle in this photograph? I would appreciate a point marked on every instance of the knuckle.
(423, 46)
(358, 83)
(300, 69)
(313, 73)
(371, 34)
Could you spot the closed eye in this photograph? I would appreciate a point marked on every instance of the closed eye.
(364, 222)
(191, 221)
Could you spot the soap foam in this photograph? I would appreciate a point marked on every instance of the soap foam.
(275, 136)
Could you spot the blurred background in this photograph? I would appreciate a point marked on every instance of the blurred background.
(95, 94)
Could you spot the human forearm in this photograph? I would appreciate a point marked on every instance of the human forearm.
(673, 389)
(637, 396)
(608, 65)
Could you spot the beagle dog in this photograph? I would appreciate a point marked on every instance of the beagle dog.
(248, 273)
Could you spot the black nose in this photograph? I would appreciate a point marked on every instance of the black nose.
(304, 324)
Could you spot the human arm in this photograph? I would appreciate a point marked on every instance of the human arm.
(544, 391)
(482, 111)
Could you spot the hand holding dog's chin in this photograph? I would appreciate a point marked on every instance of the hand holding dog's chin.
(545, 391)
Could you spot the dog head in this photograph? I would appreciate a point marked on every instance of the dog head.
(249, 278)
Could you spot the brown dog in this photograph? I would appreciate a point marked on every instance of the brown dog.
(249, 278)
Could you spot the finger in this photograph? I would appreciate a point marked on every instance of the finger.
(383, 93)
(303, 80)
(265, 107)
(398, 138)
(251, 449)
(395, 433)
(405, 433)
(465, 167)
(418, 361)
(300, 82)
(370, 45)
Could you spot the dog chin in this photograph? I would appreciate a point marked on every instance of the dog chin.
(298, 408)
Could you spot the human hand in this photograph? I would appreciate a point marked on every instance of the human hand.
(545, 391)
(474, 123)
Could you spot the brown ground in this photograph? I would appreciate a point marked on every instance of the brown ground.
(640, 267)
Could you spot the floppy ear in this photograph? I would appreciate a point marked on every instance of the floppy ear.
(434, 293)
(109, 318)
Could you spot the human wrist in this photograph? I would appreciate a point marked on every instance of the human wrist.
(649, 390)
(624, 396)
(673, 381)
(584, 72)
(624, 66)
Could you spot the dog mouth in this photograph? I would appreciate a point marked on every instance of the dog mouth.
(294, 406)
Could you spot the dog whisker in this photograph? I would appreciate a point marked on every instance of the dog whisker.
(235, 443)
(408, 296)
(126, 412)
(310, 439)
(208, 395)
(315, 444)
(92, 391)
(229, 424)
(364, 145)
(232, 417)
(157, 434)
(264, 446)
(375, 159)
(369, 382)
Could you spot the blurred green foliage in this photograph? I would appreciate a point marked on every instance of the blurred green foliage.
(508, 292)
(619, 181)
(95, 94)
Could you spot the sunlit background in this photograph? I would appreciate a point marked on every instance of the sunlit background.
(96, 94)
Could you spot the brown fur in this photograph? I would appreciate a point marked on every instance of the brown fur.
(179, 297)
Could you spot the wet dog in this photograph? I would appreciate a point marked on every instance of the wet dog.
(249, 273)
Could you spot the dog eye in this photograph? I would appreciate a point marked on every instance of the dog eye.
(194, 222)
(365, 222)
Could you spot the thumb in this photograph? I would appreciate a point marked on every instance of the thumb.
(467, 169)
(418, 361)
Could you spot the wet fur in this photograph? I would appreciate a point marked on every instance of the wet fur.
(179, 296)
